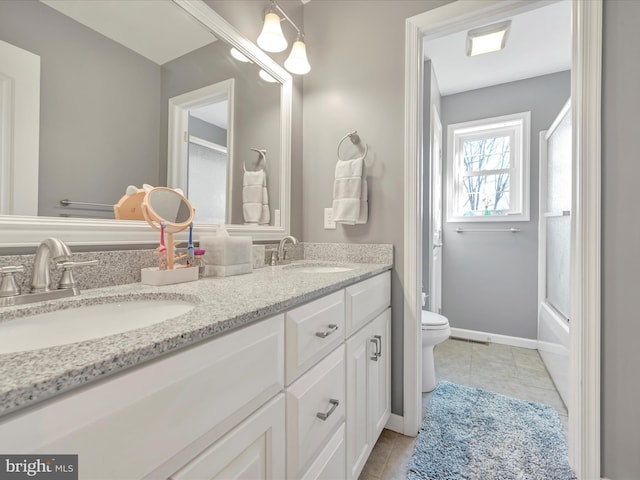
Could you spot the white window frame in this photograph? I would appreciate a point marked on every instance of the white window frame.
(518, 127)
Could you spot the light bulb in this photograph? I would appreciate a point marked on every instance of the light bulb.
(297, 61)
(271, 38)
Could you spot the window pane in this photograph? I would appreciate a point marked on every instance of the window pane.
(491, 153)
(485, 194)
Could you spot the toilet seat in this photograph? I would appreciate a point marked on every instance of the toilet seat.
(433, 321)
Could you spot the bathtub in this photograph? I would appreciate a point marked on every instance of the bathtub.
(553, 345)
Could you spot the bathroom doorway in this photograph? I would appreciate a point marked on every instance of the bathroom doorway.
(585, 295)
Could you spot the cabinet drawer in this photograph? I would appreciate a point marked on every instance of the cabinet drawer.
(367, 299)
(312, 331)
(330, 463)
(124, 427)
(319, 391)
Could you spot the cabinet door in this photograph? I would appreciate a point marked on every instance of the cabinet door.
(329, 465)
(255, 449)
(359, 351)
(380, 375)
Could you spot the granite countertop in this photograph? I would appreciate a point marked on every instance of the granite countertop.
(222, 304)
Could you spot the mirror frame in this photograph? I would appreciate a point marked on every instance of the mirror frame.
(24, 231)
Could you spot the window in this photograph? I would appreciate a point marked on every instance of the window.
(488, 169)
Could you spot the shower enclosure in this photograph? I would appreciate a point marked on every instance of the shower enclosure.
(554, 241)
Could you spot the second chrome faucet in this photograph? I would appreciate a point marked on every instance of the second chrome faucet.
(279, 256)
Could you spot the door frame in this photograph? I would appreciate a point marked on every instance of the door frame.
(178, 151)
(19, 130)
(584, 376)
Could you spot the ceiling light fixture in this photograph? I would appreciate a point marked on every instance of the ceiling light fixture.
(272, 39)
(490, 38)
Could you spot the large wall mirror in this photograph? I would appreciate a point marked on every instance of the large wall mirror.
(159, 92)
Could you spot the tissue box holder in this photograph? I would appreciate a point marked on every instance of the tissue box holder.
(155, 276)
(227, 256)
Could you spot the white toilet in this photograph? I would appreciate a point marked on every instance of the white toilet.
(435, 330)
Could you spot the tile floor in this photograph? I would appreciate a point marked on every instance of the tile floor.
(513, 371)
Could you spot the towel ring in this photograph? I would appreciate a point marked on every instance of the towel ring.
(355, 139)
(262, 156)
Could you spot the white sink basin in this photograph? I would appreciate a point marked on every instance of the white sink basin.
(85, 323)
(311, 268)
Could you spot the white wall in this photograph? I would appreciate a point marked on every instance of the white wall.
(490, 280)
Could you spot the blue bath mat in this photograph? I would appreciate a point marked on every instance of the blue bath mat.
(472, 434)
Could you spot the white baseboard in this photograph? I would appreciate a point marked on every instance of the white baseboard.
(494, 338)
(395, 423)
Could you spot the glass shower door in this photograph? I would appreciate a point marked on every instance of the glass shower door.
(555, 249)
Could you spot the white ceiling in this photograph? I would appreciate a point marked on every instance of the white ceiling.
(215, 114)
(539, 43)
(156, 29)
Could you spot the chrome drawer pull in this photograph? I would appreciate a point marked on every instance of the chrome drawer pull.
(376, 353)
(326, 333)
(334, 404)
(379, 345)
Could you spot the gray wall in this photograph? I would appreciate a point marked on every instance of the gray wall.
(621, 242)
(99, 109)
(357, 83)
(207, 131)
(490, 280)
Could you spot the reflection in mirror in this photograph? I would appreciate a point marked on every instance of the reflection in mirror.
(104, 107)
(209, 164)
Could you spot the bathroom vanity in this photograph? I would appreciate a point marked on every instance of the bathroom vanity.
(283, 373)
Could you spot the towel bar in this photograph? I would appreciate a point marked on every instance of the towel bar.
(65, 203)
(355, 139)
(510, 230)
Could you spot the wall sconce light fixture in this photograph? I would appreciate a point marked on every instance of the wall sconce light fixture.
(490, 38)
(272, 39)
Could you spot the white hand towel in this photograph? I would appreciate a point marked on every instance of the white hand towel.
(252, 194)
(350, 192)
(255, 197)
(363, 215)
(265, 215)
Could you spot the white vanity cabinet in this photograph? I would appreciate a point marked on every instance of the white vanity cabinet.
(301, 395)
(337, 408)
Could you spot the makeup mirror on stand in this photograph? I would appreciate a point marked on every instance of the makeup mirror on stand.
(169, 212)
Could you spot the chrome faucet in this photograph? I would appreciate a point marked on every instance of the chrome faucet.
(49, 249)
(281, 253)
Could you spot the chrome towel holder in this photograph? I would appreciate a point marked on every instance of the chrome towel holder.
(355, 139)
